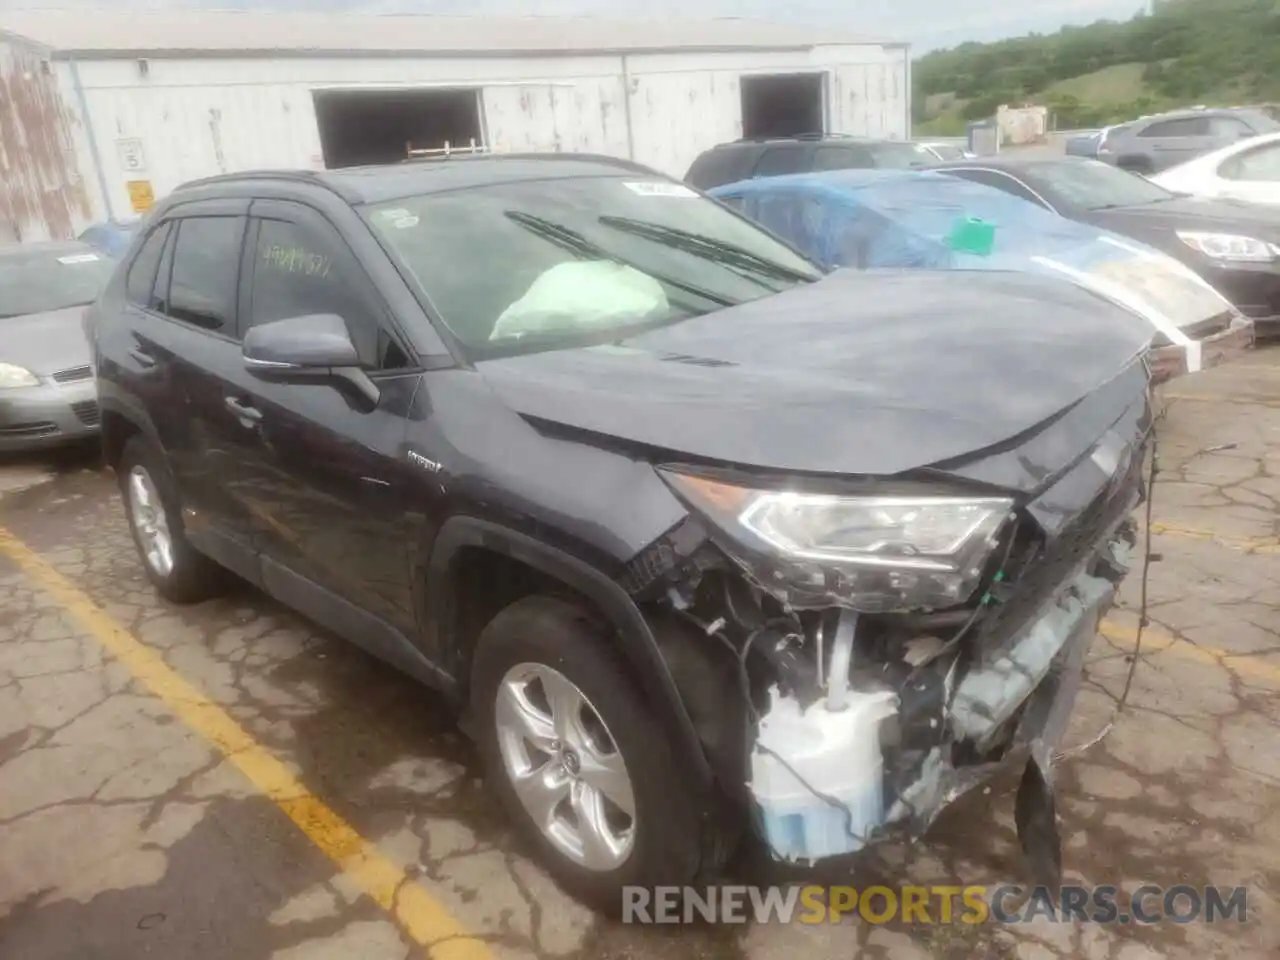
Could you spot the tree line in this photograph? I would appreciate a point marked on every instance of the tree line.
(1192, 51)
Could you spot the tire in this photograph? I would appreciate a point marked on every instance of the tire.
(188, 576)
(547, 637)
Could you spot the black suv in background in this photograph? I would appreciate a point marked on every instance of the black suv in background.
(746, 159)
(619, 473)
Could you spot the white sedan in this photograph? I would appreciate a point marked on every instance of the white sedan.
(1248, 170)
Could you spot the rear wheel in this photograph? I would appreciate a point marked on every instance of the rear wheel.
(571, 748)
(177, 570)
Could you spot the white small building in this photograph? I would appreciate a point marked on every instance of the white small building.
(102, 112)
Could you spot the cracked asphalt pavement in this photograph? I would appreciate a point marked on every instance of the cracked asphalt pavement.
(229, 781)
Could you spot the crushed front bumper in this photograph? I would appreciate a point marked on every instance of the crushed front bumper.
(1015, 705)
(1000, 701)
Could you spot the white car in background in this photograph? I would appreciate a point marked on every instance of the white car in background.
(1248, 170)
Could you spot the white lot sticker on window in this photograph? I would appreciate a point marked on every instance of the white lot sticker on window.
(79, 258)
(396, 214)
(658, 188)
(405, 222)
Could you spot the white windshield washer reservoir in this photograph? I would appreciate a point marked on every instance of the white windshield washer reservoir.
(837, 753)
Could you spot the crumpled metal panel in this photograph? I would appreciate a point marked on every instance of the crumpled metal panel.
(42, 194)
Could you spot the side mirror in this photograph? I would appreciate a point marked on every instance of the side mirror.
(315, 348)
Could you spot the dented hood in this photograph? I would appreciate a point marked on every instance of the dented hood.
(863, 373)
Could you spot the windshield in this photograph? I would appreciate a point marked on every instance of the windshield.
(1093, 185)
(890, 155)
(516, 267)
(42, 281)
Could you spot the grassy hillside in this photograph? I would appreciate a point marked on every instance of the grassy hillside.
(1185, 51)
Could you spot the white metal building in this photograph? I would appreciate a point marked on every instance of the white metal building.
(100, 112)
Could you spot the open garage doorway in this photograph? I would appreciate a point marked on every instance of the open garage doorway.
(783, 105)
(382, 126)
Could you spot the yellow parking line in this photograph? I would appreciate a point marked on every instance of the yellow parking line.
(424, 919)
(1156, 640)
(1262, 545)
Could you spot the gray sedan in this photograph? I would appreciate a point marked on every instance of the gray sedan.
(47, 392)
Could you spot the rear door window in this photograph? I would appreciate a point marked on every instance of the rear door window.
(842, 158)
(1173, 129)
(720, 166)
(1230, 128)
(206, 262)
(781, 160)
(141, 281)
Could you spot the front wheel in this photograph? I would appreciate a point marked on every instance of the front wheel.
(575, 754)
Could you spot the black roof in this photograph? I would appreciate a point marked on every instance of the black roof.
(381, 183)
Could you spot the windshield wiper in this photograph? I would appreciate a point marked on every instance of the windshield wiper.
(580, 246)
(709, 248)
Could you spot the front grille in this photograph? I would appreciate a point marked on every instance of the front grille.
(73, 374)
(87, 411)
(1042, 568)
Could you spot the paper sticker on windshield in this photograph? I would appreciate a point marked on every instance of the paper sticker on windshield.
(660, 188)
(79, 258)
(396, 214)
(405, 222)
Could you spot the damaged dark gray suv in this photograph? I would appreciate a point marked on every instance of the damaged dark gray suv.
(697, 537)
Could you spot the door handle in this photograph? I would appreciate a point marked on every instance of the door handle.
(244, 411)
(142, 358)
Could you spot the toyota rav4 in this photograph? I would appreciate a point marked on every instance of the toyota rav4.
(703, 542)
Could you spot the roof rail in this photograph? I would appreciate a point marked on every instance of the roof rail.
(304, 176)
(497, 156)
(795, 136)
(448, 150)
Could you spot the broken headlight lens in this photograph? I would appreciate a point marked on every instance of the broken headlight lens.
(870, 553)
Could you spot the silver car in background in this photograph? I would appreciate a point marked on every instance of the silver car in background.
(1151, 144)
(47, 392)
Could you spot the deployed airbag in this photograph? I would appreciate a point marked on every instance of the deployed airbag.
(580, 295)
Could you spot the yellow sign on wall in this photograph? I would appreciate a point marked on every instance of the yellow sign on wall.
(141, 196)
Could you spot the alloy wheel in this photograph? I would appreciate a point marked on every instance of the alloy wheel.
(146, 510)
(565, 766)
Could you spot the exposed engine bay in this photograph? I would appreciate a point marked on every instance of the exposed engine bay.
(872, 704)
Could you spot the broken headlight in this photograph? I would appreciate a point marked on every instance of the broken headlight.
(874, 554)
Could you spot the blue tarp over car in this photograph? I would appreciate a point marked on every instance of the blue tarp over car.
(871, 219)
(111, 237)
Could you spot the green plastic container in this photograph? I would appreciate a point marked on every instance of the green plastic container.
(972, 235)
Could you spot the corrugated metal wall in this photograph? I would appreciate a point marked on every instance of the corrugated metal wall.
(43, 195)
(191, 118)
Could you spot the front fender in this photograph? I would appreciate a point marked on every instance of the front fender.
(635, 637)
